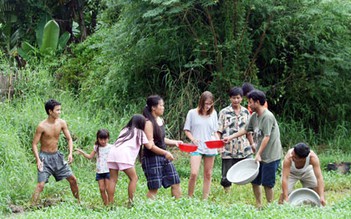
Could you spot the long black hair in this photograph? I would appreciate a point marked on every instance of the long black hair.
(102, 134)
(137, 121)
(153, 101)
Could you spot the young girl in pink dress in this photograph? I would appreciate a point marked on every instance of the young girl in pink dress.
(123, 154)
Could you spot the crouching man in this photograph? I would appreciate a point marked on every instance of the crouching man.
(300, 163)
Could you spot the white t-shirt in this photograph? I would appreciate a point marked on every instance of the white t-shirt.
(202, 128)
(101, 160)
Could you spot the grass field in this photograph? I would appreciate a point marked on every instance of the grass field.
(58, 202)
(18, 177)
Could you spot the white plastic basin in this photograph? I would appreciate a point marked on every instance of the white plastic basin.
(243, 172)
(304, 196)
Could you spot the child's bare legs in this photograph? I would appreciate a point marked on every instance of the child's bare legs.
(103, 187)
(133, 179)
(112, 185)
(195, 162)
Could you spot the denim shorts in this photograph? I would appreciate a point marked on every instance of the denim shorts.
(100, 176)
(266, 175)
(199, 154)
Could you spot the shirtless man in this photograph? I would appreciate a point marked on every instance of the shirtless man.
(301, 164)
(50, 161)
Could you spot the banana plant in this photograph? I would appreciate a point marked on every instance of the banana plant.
(48, 39)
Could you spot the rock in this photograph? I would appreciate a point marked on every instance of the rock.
(343, 167)
(16, 209)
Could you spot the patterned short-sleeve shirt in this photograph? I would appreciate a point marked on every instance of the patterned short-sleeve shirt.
(101, 160)
(229, 123)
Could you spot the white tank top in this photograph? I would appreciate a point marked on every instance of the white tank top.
(304, 169)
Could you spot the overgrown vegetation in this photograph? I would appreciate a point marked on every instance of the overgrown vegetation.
(297, 52)
(18, 172)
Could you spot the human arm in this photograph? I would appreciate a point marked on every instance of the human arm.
(251, 141)
(219, 136)
(188, 126)
(285, 177)
(159, 151)
(263, 145)
(191, 137)
(89, 156)
(235, 135)
(318, 173)
(69, 141)
(36, 139)
(151, 145)
(173, 142)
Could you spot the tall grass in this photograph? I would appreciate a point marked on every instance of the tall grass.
(15, 179)
(18, 176)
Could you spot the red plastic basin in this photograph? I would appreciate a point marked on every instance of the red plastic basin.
(187, 147)
(214, 144)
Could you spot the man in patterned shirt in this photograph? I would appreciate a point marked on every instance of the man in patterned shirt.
(231, 119)
(269, 148)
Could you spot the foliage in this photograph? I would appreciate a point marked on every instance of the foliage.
(49, 41)
(179, 49)
(297, 52)
(15, 180)
(18, 179)
(85, 63)
(164, 52)
(50, 37)
(12, 13)
(304, 63)
(193, 208)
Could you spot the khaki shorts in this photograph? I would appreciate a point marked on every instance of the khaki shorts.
(307, 179)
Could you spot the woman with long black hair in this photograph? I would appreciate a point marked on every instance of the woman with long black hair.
(158, 169)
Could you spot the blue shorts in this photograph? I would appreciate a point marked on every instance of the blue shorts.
(159, 172)
(199, 154)
(100, 176)
(266, 175)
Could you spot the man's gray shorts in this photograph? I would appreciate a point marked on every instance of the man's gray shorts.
(54, 164)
